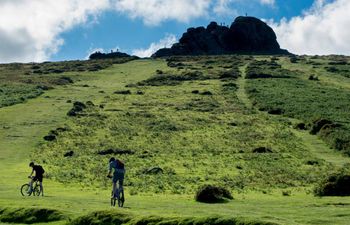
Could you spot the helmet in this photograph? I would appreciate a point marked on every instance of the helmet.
(112, 159)
(31, 164)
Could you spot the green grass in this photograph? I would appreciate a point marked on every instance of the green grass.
(185, 134)
(11, 94)
(307, 100)
(196, 138)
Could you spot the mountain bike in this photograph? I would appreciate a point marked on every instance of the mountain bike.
(36, 189)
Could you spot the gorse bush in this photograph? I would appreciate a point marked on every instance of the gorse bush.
(212, 194)
(30, 215)
(335, 184)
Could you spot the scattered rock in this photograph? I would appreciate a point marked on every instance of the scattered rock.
(123, 92)
(206, 93)
(159, 72)
(212, 194)
(50, 137)
(300, 126)
(262, 150)
(275, 111)
(69, 154)
(140, 92)
(195, 92)
(312, 162)
(233, 124)
(313, 77)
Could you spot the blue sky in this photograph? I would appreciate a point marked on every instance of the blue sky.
(41, 30)
(115, 30)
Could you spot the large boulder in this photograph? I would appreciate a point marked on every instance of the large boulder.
(245, 35)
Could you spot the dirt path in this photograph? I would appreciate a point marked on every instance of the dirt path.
(312, 142)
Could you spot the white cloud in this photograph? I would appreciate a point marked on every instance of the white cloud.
(30, 29)
(267, 2)
(323, 29)
(153, 12)
(166, 42)
(222, 7)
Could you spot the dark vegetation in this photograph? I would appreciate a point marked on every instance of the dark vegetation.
(266, 69)
(324, 108)
(335, 184)
(338, 65)
(14, 93)
(30, 215)
(193, 71)
(113, 218)
(213, 194)
(20, 82)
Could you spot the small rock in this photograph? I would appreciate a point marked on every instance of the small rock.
(69, 154)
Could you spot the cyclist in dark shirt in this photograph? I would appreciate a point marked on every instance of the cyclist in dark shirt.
(39, 172)
(117, 167)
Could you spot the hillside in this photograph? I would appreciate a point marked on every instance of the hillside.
(250, 124)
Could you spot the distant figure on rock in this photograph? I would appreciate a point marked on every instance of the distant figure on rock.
(117, 167)
(39, 172)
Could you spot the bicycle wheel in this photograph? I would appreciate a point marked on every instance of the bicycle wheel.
(37, 190)
(25, 190)
(121, 200)
(113, 200)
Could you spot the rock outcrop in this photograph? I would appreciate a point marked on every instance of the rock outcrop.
(247, 35)
(112, 55)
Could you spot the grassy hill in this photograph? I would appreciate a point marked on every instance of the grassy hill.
(241, 122)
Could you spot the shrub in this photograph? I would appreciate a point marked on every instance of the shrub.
(123, 92)
(318, 124)
(212, 194)
(30, 215)
(337, 184)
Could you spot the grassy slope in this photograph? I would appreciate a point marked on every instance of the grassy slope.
(20, 135)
